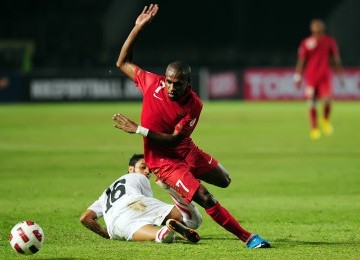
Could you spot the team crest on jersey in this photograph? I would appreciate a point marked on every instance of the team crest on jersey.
(310, 43)
(192, 122)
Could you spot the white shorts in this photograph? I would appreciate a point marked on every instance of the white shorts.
(142, 212)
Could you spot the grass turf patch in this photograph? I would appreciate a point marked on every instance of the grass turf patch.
(301, 195)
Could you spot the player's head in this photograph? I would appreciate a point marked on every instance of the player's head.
(178, 76)
(317, 26)
(137, 165)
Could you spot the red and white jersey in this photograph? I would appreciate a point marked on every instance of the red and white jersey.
(113, 202)
(316, 52)
(160, 114)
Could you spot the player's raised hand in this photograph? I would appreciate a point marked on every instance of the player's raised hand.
(147, 15)
(124, 123)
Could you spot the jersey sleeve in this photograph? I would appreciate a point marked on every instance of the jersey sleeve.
(145, 79)
(188, 123)
(97, 208)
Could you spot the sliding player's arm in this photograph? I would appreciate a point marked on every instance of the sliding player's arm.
(89, 220)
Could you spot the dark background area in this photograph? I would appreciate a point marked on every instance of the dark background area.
(89, 33)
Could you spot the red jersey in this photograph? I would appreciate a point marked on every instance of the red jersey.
(316, 52)
(160, 114)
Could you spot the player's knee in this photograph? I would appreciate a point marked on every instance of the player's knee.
(227, 183)
(225, 180)
(309, 92)
(174, 214)
(224, 183)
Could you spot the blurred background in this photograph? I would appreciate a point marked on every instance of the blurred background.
(66, 50)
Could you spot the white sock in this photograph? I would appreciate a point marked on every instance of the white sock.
(165, 235)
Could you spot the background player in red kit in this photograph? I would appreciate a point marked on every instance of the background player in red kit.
(314, 56)
(169, 115)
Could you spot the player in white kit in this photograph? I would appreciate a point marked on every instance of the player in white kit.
(132, 213)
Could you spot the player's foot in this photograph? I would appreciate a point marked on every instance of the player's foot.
(185, 232)
(315, 134)
(326, 127)
(257, 242)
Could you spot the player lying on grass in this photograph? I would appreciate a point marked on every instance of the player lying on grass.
(130, 211)
(170, 113)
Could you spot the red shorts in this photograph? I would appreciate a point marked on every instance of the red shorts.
(182, 175)
(321, 87)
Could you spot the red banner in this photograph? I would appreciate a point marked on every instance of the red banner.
(278, 84)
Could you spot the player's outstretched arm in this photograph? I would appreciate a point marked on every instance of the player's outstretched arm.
(125, 124)
(89, 220)
(124, 62)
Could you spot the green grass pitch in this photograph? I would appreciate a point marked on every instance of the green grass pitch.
(301, 195)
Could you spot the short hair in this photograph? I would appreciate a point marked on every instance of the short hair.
(317, 19)
(135, 158)
(183, 68)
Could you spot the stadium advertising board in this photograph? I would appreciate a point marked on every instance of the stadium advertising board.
(70, 85)
(61, 89)
(277, 84)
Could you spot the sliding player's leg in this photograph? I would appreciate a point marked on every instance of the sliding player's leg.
(139, 219)
(152, 233)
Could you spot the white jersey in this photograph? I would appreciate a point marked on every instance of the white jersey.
(116, 200)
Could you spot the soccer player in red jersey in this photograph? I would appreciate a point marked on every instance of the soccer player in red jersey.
(170, 113)
(314, 56)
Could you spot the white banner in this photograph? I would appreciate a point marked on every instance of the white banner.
(82, 89)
